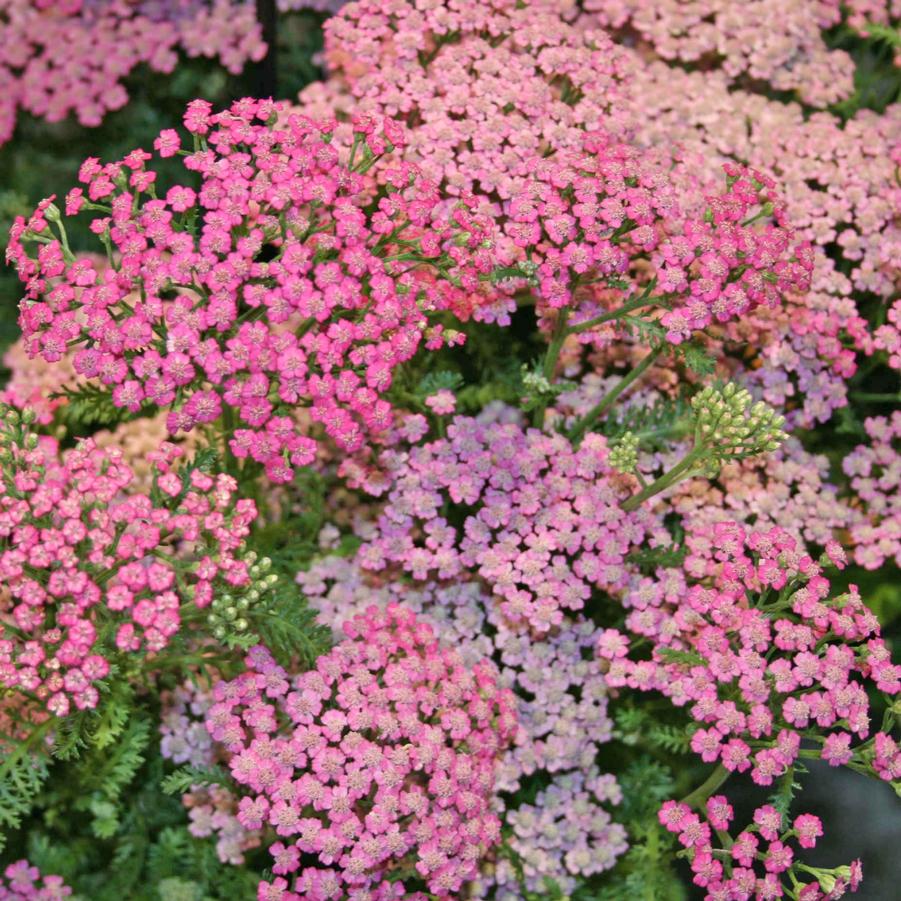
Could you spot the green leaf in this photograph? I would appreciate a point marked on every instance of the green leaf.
(287, 626)
(686, 658)
(183, 778)
(442, 380)
(696, 358)
(23, 774)
(90, 404)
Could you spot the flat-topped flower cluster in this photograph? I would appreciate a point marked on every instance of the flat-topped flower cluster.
(91, 568)
(379, 761)
(288, 279)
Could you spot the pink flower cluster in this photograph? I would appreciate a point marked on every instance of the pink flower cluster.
(23, 882)
(789, 488)
(184, 739)
(789, 52)
(585, 218)
(560, 703)
(541, 523)
(380, 761)
(837, 180)
(875, 473)
(288, 279)
(104, 41)
(763, 658)
(754, 863)
(560, 698)
(839, 190)
(89, 568)
(490, 87)
(887, 336)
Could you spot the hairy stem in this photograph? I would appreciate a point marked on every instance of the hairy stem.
(577, 432)
(667, 480)
(707, 788)
(550, 361)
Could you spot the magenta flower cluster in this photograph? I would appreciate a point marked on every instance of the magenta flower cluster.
(584, 218)
(287, 280)
(23, 882)
(755, 862)
(763, 659)
(379, 761)
(90, 569)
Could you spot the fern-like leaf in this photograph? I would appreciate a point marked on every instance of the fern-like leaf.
(90, 405)
(288, 627)
(183, 778)
(122, 762)
(22, 776)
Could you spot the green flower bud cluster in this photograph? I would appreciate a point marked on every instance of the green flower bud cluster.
(15, 432)
(624, 453)
(729, 425)
(535, 382)
(538, 388)
(232, 611)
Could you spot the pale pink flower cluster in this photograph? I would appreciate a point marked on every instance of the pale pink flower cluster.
(771, 41)
(875, 472)
(789, 488)
(887, 336)
(379, 761)
(540, 522)
(487, 88)
(560, 698)
(62, 57)
(33, 382)
(287, 280)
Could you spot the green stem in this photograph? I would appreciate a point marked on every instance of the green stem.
(665, 481)
(700, 795)
(577, 432)
(879, 398)
(550, 362)
(624, 310)
(228, 430)
(68, 256)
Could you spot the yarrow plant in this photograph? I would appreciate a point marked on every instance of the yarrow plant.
(93, 573)
(766, 659)
(585, 219)
(287, 280)
(105, 40)
(759, 859)
(378, 762)
(475, 480)
(560, 701)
